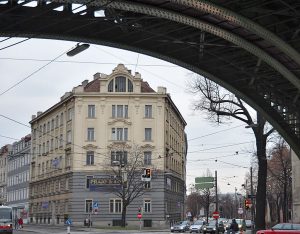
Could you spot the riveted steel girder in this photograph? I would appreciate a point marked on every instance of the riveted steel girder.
(223, 44)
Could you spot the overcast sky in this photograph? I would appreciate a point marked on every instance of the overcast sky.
(44, 82)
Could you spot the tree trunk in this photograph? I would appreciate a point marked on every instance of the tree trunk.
(262, 180)
(284, 197)
(124, 210)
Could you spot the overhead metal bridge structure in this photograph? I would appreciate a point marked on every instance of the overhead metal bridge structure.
(250, 47)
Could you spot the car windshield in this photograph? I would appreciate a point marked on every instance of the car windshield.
(198, 222)
(286, 226)
(239, 221)
(181, 223)
(248, 221)
(212, 223)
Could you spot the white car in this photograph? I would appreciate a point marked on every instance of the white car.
(197, 226)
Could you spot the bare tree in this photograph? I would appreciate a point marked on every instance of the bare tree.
(127, 170)
(194, 203)
(280, 170)
(220, 106)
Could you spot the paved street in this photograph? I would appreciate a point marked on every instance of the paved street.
(79, 230)
(30, 229)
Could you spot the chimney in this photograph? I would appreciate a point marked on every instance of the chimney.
(84, 83)
(33, 116)
(161, 90)
(39, 113)
(97, 75)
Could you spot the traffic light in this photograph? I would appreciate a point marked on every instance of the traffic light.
(148, 173)
(139, 209)
(247, 203)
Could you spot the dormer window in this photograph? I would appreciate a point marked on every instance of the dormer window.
(120, 84)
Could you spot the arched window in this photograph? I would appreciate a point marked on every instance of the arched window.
(119, 84)
(111, 86)
(130, 86)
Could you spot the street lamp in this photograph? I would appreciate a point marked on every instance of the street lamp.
(252, 125)
(77, 49)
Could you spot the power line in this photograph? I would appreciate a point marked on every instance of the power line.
(241, 143)
(216, 132)
(86, 62)
(16, 43)
(27, 77)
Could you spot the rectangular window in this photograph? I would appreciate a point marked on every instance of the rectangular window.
(147, 157)
(88, 179)
(147, 205)
(90, 134)
(91, 111)
(119, 156)
(120, 111)
(148, 111)
(69, 136)
(88, 206)
(148, 134)
(147, 185)
(115, 205)
(61, 140)
(119, 134)
(61, 119)
(90, 158)
(70, 114)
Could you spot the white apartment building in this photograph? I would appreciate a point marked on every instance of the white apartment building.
(78, 138)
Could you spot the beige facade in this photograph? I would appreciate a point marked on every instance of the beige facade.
(4, 153)
(296, 187)
(77, 137)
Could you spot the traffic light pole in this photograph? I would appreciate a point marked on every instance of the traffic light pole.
(217, 205)
(252, 205)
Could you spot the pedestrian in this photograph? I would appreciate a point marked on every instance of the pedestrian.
(20, 222)
(16, 222)
(234, 227)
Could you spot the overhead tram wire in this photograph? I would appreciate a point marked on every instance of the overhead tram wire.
(31, 74)
(85, 62)
(19, 42)
(215, 132)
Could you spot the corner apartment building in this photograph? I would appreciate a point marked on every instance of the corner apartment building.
(4, 153)
(78, 138)
(18, 176)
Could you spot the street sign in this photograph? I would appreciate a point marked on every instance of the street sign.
(240, 211)
(95, 205)
(251, 196)
(199, 180)
(216, 215)
(204, 186)
(139, 216)
(69, 221)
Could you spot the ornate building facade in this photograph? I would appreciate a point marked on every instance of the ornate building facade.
(80, 137)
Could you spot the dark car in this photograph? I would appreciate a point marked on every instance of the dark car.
(284, 228)
(211, 227)
(181, 226)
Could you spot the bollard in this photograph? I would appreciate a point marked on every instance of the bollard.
(68, 230)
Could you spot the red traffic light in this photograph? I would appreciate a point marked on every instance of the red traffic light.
(148, 173)
(247, 204)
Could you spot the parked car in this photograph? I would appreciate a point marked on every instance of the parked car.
(249, 223)
(284, 228)
(197, 226)
(181, 226)
(211, 227)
